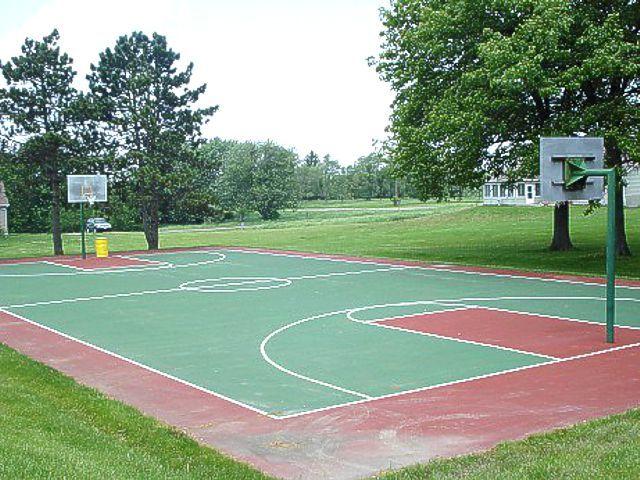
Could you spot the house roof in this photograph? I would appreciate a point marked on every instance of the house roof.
(4, 201)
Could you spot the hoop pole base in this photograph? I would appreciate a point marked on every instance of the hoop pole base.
(82, 232)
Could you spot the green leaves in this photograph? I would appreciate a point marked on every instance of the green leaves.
(149, 120)
(257, 177)
(43, 118)
(478, 81)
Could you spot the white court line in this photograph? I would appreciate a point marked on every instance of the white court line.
(350, 312)
(554, 317)
(88, 299)
(342, 274)
(213, 287)
(185, 287)
(457, 382)
(377, 323)
(285, 370)
(143, 268)
(312, 256)
(138, 364)
(64, 265)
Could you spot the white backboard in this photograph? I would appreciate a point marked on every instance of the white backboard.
(86, 188)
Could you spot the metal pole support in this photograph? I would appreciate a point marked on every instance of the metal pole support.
(611, 253)
(611, 175)
(82, 232)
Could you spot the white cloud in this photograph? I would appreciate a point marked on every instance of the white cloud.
(291, 71)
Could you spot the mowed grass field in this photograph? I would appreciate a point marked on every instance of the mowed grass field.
(465, 233)
(51, 427)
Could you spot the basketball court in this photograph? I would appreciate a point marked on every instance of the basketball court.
(313, 365)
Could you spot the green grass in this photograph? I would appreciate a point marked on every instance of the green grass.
(374, 203)
(602, 449)
(51, 427)
(515, 237)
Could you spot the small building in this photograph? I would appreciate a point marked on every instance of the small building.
(497, 191)
(632, 189)
(4, 207)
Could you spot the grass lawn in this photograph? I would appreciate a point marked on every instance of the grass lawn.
(51, 427)
(462, 233)
(602, 449)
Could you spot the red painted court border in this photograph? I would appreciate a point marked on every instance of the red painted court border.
(527, 332)
(360, 439)
(58, 258)
(94, 263)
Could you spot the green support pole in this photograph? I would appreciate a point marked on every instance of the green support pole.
(82, 229)
(611, 253)
(574, 173)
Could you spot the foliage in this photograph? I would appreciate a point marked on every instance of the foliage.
(257, 177)
(44, 122)
(273, 185)
(149, 121)
(478, 81)
(29, 197)
(369, 177)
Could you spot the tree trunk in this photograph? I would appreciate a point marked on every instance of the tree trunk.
(622, 246)
(56, 228)
(615, 158)
(561, 237)
(150, 222)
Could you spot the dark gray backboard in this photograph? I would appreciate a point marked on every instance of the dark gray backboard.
(551, 179)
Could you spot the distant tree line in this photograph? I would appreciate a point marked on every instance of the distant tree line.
(138, 122)
(369, 177)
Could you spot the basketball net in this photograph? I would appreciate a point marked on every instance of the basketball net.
(87, 193)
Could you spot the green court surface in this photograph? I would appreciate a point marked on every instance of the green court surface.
(283, 334)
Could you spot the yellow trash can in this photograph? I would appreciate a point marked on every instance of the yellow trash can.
(102, 247)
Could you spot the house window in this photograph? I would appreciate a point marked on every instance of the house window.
(537, 189)
(494, 190)
(487, 190)
(503, 190)
(521, 189)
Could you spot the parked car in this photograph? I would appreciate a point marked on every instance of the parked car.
(98, 224)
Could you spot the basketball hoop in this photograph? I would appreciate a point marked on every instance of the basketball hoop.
(88, 195)
(86, 189)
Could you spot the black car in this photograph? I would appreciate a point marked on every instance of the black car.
(98, 224)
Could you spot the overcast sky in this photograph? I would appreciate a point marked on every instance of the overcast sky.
(293, 71)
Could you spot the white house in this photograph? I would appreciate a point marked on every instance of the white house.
(632, 190)
(496, 191)
(527, 191)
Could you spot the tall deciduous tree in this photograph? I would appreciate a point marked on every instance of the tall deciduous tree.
(258, 177)
(477, 83)
(42, 117)
(274, 181)
(236, 180)
(149, 118)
